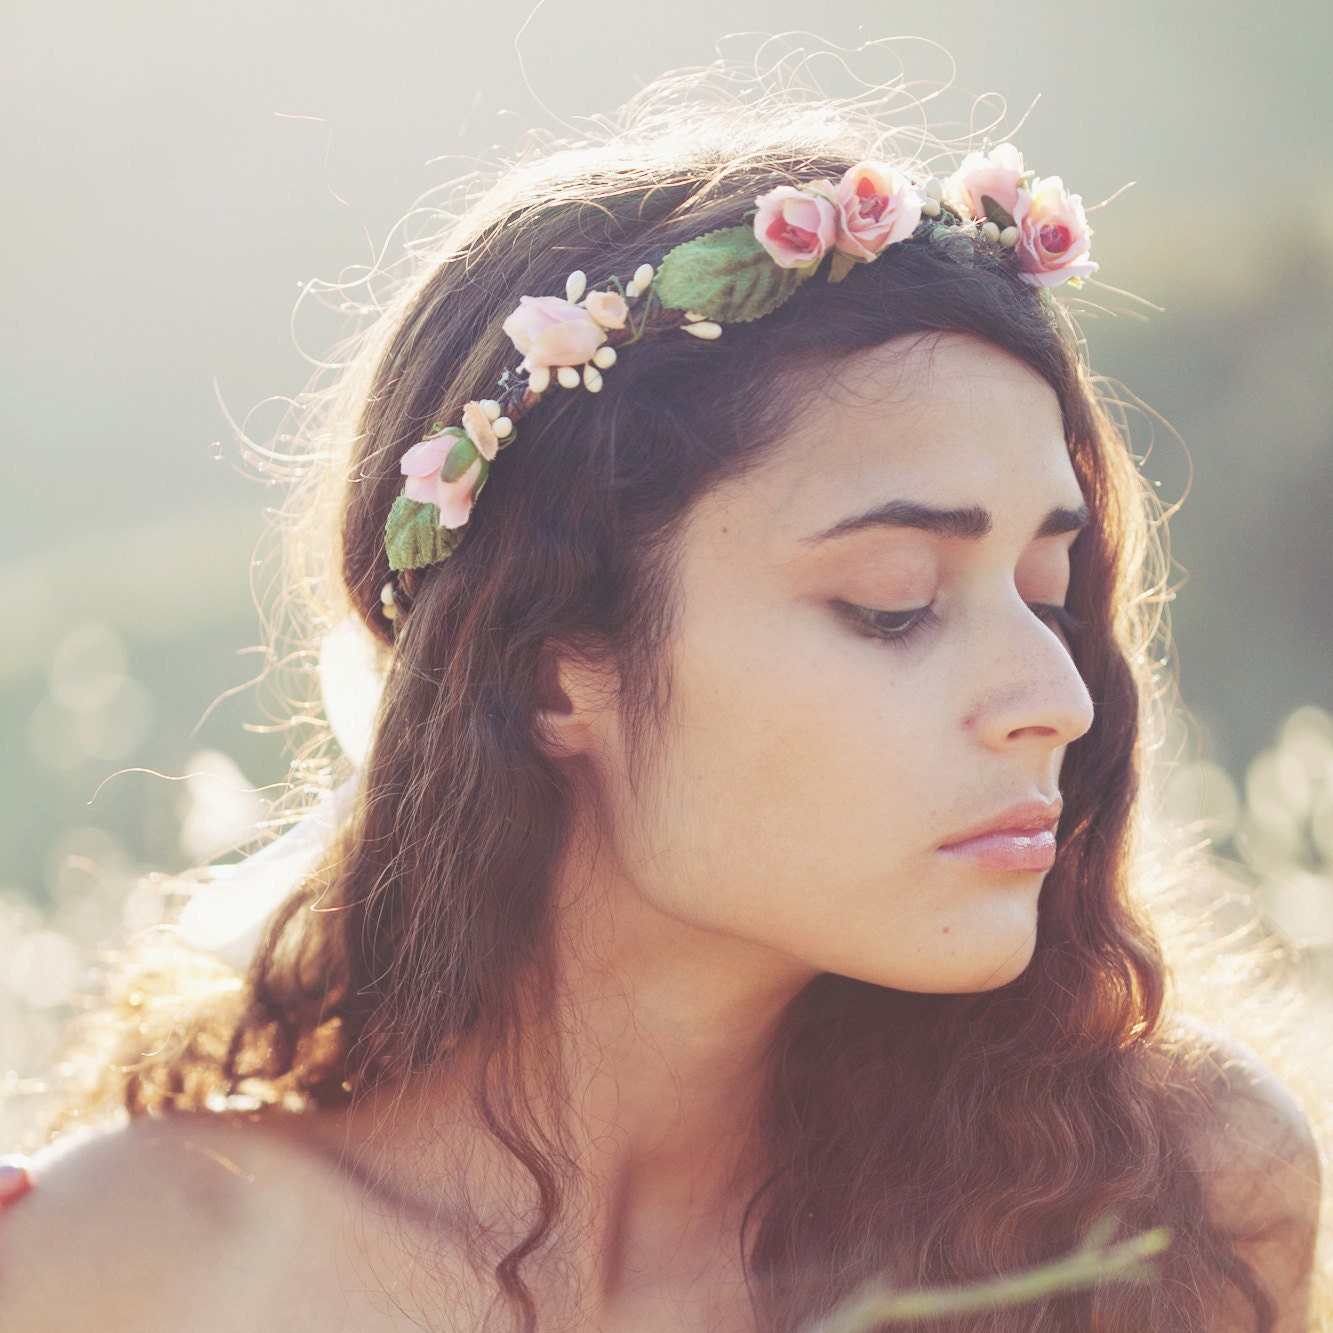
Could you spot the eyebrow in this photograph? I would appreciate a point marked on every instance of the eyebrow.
(970, 523)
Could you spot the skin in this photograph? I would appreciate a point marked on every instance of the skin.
(813, 768)
(791, 824)
(788, 824)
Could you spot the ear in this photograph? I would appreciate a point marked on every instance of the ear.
(576, 699)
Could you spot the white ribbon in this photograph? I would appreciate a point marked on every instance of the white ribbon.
(227, 915)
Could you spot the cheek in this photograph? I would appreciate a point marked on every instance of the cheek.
(795, 806)
(798, 758)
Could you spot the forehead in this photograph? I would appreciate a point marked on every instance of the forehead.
(949, 421)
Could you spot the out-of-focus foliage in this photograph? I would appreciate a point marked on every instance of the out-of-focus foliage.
(1277, 826)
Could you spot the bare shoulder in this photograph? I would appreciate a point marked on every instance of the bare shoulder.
(1260, 1163)
(132, 1225)
(1257, 1145)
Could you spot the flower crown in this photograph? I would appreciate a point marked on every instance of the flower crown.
(729, 276)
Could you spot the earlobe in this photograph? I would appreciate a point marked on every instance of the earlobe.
(572, 697)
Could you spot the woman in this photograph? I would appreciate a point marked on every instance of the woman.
(736, 904)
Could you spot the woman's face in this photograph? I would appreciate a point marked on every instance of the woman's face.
(849, 694)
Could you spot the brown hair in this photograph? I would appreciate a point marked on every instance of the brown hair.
(931, 1138)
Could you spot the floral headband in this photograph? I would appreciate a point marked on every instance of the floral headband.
(729, 276)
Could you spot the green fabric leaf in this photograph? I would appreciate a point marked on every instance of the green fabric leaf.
(840, 266)
(460, 457)
(726, 275)
(1002, 217)
(413, 536)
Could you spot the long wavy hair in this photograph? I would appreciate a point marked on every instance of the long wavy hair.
(927, 1138)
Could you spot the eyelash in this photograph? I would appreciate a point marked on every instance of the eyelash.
(867, 621)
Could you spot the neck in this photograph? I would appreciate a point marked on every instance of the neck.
(665, 1031)
(662, 1031)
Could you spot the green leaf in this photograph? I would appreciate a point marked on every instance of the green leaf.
(1002, 217)
(840, 266)
(460, 457)
(726, 275)
(414, 538)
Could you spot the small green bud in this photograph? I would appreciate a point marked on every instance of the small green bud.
(461, 456)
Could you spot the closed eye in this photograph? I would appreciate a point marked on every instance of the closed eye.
(901, 627)
(891, 626)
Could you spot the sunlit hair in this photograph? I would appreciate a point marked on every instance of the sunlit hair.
(928, 1137)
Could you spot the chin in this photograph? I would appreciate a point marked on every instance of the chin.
(1006, 969)
(986, 973)
(981, 968)
(1000, 977)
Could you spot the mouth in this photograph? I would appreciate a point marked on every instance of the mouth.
(1021, 837)
(1008, 849)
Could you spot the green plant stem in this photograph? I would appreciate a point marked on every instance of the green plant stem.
(1087, 1267)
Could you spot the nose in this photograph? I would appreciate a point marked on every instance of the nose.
(1028, 689)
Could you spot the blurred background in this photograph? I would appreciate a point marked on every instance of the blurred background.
(174, 174)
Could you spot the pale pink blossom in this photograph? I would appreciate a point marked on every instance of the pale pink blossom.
(422, 460)
(996, 175)
(608, 309)
(551, 331)
(423, 466)
(797, 226)
(1053, 234)
(877, 206)
(480, 431)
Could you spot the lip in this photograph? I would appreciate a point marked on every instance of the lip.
(1020, 837)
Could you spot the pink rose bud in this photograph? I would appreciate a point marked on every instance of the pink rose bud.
(480, 431)
(997, 175)
(551, 331)
(445, 471)
(455, 498)
(1053, 234)
(797, 227)
(424, 460)
(608, 309)
(878, 206)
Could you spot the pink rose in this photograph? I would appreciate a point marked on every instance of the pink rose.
(877, 206)
(1053, 234)
(795, 226)
(551, 331)
(423, 466)
(480, 431)
(997, 175)
(608, 309)
(423, 459)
